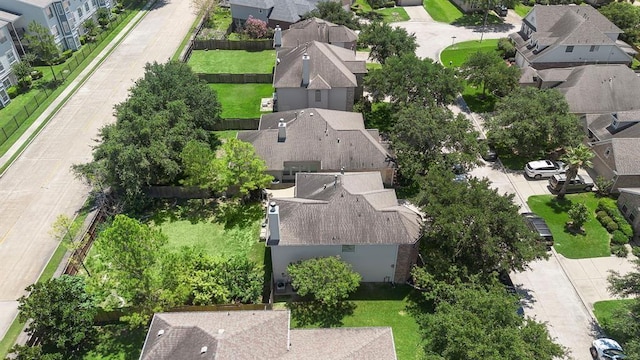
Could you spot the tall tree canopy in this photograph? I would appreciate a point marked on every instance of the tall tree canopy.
(42, 44)
(332, 11)
(420, 134)
(491, 72)
(478, 320)
(166, 108)
(60, 314)
(625, 322)
(409, 79)
(236, 167)
(473, 227)
(533, 122)
(576, 157)
(386, 41)
(626, 16)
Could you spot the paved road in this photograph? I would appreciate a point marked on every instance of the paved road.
(39, 186)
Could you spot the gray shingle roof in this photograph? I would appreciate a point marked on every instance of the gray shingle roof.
(625, 152)
(315, 29)
(601, 89)
(600, 125)
(325, 61)
(258, 335)
(334, 138)
(258, 4)
(557, 25)
(355, 210)
(225, 334)
(342, 343)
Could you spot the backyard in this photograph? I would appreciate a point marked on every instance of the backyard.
(442, 10)
(593, 242)
(384, 305)
(232, 61)
(242, 101)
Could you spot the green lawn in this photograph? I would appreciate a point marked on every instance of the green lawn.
(603, 310)
(374, 66)
(394, 14)
(382, 305)
(226, 134)
(241, 101)
(232, 61)
(229, 230)
(478, 102)
(522, 10)
(477, 19)
(595, 240)
(364, 5)
(457, 54)
(442, 10)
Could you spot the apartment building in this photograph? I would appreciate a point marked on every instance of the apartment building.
(8, 56)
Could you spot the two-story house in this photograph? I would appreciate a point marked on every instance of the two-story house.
(317, 74)
(62, 17)
(315, 29)
(568, 35)
(274, 12)
(8, 56)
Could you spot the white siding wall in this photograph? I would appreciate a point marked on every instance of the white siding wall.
(603, 54)
(243, 12)
(376, 263)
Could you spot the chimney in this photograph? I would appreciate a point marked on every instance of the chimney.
(305, 69)
(273, 217)
(282, 130)
(277, 37)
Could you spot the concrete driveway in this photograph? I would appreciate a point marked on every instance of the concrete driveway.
(39, 185)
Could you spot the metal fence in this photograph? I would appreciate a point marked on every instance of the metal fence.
(84, 241)
(41, 95)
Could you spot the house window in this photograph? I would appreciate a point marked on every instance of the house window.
(4, 96)
(86, 7)
(318, 96)
(569, 49)
(348, 248)
(65, 27)
(80, 12)
(6, 83)
(1, 67)
(11, 56)
(59, 9)
(49, 12)
(624, 209)
(594, 48)
(3, 38)
(632, 217)
(94, 2)
(607, 152)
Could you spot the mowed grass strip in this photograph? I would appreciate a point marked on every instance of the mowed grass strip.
(604, 310)
(241, 101)
(395, 14)
(593, 242)
(442, 10)
(458, 53)
(232, 61)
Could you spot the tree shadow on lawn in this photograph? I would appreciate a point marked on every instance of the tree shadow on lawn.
(316, 313)
(476, 19)
(559, 206)
(235, 213)
(118, 339)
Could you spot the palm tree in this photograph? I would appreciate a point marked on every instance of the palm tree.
(576, 157)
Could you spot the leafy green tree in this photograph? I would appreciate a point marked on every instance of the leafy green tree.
(506, 48)
(473, 227)
(65, 229)
(575, 158)
(26, 352)
(624, 322)
(199, 279)
(165, 110)
(386, 41)
(329, 280)
(60, 314)
(476, 320)
(420, 134)
(533, 122)
(236, 167)
(488, 70)
(626, 16)
(579, 214)
(409, 79)
(42, 44)
(90, 27)
(131, 251)
(22, 69)
(333, 11)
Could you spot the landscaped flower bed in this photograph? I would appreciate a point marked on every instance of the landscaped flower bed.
(611, 219)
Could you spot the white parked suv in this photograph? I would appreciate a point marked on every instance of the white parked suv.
(606, 349)
(544, 169)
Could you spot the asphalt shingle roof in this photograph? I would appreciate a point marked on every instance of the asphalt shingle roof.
(345, 209)
(334, 138)
(315, 29)
(629, 125)
(625, 153)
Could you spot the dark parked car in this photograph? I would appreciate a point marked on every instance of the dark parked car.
(539, 226)
(501, 10)
(487, 151)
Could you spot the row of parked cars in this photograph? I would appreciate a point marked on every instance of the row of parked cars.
(555, 171)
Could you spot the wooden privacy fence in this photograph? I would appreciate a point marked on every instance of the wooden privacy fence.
(249, 45)
(85, 240)
(237, 124)
(237, 78)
